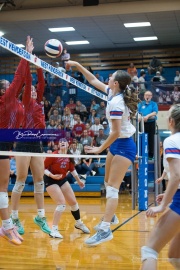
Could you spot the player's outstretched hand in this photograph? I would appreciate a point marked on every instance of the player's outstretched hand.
(81, 184)
(29, 44)
(151, 212)
(92, 150)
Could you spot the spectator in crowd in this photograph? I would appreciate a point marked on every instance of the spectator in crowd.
(80, 77)
(100, 139)
(96, 126)
(81, 110)
(168, 97)
(107, 80)
(51, 125)
(55, 116)
(65, 57)
(78, 129)
(176, 95)
(47, 107)
(67, 117)
(71, 105)
(74, 121)
(85, 139)
(59, 104)
(56, 86)
(177, 77)
(94, 105)
(57, 65)
(155, 65)
(90, 132)
(79, 145)
(141, 82)
(92, 116)
(13, 170)
(131, 70)
(86, 166)
(158, 78)
(148, 110)
(101, 111)
(134, 79)
(99, 77)
(161, 98)
(106, 128)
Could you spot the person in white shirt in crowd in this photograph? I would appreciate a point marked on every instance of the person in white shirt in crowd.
(158, 78)
(106, 128)
(167, 228)
(141, 82)
(177, 77)
(96, 126)
(65, 57)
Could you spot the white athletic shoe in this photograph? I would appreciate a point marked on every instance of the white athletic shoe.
(93, 173)
(82, 227)
(55, 234)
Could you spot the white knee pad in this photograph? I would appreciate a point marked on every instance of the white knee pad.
(4, 200)
(39, 187)
(111, 192)
(147, 252)
(60, 207)
(18, 187)
(75, 207)
(175, 262)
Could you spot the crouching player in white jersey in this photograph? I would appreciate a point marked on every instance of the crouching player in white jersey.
(121, 103)
(168, 226)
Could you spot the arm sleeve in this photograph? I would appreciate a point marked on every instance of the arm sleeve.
(19, 79)
(171, 148)
(27, 90)
(41, 85)
(116, 110)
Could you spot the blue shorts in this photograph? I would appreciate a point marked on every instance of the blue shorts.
(175, 205)
(124, 147)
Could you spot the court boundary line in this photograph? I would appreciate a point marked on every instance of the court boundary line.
(127, 220)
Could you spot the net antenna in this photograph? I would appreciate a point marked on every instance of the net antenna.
(5, 3)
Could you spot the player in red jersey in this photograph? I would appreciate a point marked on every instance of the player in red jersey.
(59, 189)
(11, 112)
(33, 119)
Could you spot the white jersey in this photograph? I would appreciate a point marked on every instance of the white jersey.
(116, 109)
(171, 147)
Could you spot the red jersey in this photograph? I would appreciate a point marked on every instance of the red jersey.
(58, 165)
(72, 107)
(90, 133)
(11, 109)
(34, 109)
(78, 129)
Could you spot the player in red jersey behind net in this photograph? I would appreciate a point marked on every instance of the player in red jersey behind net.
(59, 189)
(11, 111)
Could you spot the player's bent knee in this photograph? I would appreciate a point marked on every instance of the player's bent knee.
(4, 200)
(61, 207)
(112, 192)
(147, 253)
(18, 187)
(175, 262)
(39, 187)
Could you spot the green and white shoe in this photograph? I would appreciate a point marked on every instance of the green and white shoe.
(42, 223)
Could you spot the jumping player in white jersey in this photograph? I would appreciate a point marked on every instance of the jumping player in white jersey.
(121, 104)
(168, 226)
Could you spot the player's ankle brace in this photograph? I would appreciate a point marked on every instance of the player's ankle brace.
(147, 252)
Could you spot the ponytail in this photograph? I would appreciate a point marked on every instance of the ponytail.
(131, 99)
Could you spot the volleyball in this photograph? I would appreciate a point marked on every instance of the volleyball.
(53, 48)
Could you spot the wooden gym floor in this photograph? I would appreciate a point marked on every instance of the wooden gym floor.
(40, 252)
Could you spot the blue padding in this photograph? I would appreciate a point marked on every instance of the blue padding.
(95, 180)
(29, 179)
(101, 171)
